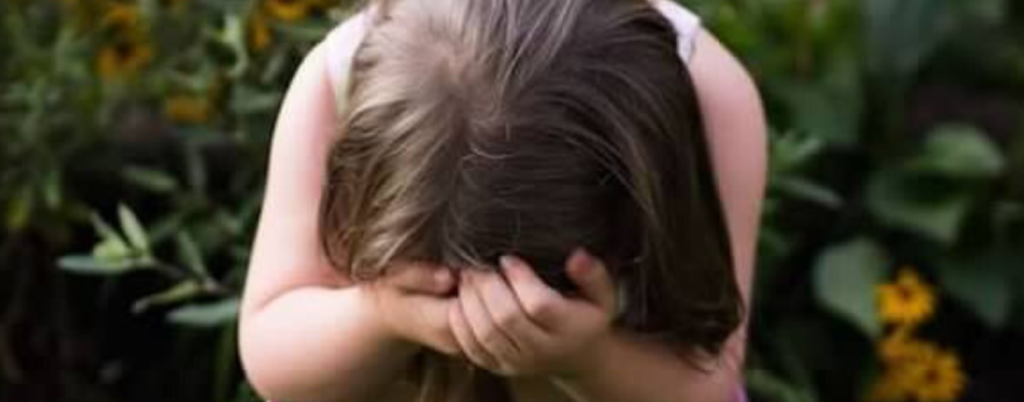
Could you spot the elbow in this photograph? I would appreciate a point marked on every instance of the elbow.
(268, 370)
(266, 378)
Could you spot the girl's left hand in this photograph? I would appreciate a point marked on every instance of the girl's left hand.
(517, 325)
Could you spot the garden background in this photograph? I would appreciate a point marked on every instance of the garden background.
(134, 143)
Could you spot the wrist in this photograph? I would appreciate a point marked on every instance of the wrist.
(377, 321)
(589, 364)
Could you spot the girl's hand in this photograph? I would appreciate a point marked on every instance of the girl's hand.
(413, 300)
(517, 325)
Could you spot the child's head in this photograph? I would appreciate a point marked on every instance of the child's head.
(476, 128)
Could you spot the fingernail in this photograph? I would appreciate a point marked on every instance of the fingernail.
(582, 260)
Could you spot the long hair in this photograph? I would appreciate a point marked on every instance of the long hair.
(477, 128)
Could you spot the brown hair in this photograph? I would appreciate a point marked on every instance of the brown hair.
(476, 128)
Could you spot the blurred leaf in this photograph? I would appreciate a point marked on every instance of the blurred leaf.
(845, 276)
(133, 229)
(959, 151)
(898, 200)
(190, 255)
(767, 385)
(87, 265)
(19, 209)
(829, 109)
(902, 34)
(195, 168)
(113, 251)
(206, 315)
(180, 292)
(809, 191)
(150, 179)
(103, 229)
(246, 100)
(52, 189)
(983, 285)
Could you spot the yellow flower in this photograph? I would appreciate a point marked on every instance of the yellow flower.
(258, 32)
(287, 10)
(124, 57)
(187, 109)
(935, 376)
(907, 301)
(899, 347)
(121, 18)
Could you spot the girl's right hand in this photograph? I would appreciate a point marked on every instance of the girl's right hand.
(412, 300)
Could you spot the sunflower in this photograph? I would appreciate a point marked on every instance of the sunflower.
(128, 49)
(908, 301)
(287, 10)
(935, 376)
(899, 346)
(190, 109)
(123, 57)
(121, 18)
(258, 31)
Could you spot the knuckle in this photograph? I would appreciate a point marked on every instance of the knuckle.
(540, 309)
(506, 318)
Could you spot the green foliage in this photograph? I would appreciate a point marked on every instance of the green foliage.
(171, 115)
(845, 277)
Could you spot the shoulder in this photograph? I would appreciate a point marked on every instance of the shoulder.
(737, 134)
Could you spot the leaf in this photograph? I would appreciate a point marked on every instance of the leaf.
(177, 293)
(845, 277)
(828, 109)
(52, 189)
(112, 251)
(150, 179)
(103, 229)
(809, 191)
(902, 201)
(902, 34)
(87, 265)
(133, 229)
(19, 209)
(763, 383)
(190, 255)
(960, 152)
(983, 285)
(206, 315)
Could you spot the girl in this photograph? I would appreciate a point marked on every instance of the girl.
(530, 200)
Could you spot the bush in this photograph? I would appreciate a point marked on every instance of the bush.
(890, 252)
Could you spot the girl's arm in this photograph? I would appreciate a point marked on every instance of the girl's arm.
(306, 332)
(629, 370)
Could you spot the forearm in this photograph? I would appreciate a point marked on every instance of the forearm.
(626, 369)
(320, 344)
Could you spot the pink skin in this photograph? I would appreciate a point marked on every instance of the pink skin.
(517, 326)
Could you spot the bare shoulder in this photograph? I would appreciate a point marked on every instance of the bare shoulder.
(736, 127)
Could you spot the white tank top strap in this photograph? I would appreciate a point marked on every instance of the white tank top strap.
(341, 43)
(687, 26)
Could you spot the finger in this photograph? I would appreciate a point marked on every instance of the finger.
(540, 302)
(487, 333)
(593, 280)
(421, 278)
(507, 312)
(471, 348)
